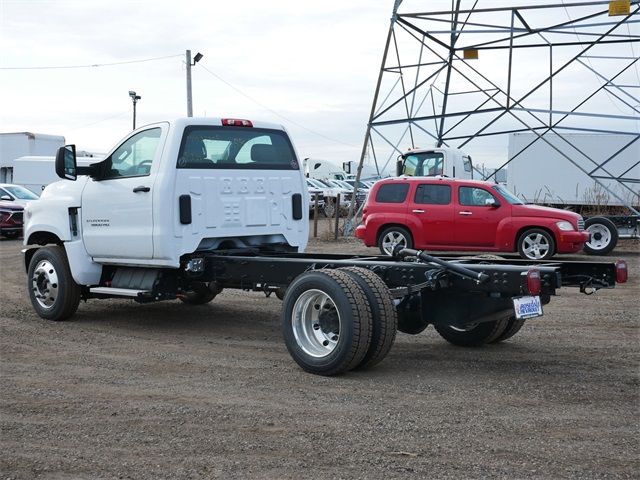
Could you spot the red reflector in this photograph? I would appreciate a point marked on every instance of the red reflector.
(235, 122)
(622, 272)
(534, 282)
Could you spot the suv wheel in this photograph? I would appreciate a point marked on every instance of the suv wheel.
(536, 244)
(392, 236)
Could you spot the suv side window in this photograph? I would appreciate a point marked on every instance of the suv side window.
(134, 157)
(474, 197)
(433, 194)
(392, 193)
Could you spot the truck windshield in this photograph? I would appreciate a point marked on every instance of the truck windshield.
(507, 195)
(236, 148)
(423, 164)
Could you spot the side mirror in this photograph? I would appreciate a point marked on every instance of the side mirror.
(6, 198)
(399, 168)
(66, 167)
(490, 202)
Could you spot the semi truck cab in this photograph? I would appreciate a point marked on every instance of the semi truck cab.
(447, 162)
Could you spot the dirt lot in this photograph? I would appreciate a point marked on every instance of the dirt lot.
(171, 391)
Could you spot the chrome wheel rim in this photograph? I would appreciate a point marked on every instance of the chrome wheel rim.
(316, 323)
(535, 246)
(391, 239)
(466, 328)
(600, 237)
(44, 284)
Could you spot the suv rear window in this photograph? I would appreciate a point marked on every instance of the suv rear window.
(433, 194)
(236, 148)
(392, 193)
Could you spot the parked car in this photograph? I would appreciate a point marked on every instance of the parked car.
(11, 219)
(330, 193)
(16, 194)
(450, 214)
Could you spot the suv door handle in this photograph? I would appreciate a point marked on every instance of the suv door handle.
(141, 188)
(417, 211)
(465, 213)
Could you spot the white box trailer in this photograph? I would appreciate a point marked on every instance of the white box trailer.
(567, 171)
(20, 144)
(36, 172)
(542, 173)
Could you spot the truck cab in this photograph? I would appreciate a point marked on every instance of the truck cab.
(174, 188)
(447, 162)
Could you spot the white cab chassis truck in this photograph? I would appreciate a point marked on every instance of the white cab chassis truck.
(180, 210)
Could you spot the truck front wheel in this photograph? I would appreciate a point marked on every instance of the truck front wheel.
(604, 236)
(473, 335)
(326, 322)
(52, 291)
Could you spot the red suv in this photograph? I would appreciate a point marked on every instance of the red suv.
(10, 219)
(448, 214)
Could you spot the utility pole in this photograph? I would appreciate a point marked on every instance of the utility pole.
(196, 59)
(134, 99)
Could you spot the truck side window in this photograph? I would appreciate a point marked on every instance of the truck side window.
(474, 197)
(466, 163)
(134, 157)
(433, 194)
(392, 193)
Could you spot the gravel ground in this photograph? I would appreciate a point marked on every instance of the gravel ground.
(170, 391)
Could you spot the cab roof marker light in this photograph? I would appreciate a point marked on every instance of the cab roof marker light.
(236, 122)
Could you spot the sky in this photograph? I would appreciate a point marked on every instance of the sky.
(309, 65)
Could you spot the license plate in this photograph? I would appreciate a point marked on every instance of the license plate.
(527, 307)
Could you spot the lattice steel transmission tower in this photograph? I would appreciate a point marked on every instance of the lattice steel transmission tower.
(470, 76)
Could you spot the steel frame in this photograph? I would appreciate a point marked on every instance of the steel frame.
(415, 110)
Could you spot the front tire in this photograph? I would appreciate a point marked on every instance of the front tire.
(392, 236)
(326, 322)
(604, 236)
(536, 244)
(52, 291)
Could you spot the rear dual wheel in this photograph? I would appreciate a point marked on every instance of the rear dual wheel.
(337, 320)
(482, 332)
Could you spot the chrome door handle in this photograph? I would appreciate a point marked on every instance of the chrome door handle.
(417, 211)
(465, 213)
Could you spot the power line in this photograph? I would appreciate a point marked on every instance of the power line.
(91, 65)
(273, 111)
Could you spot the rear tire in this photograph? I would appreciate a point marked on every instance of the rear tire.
(604, 236)
(326, 322)
(383, 312)
(392, 236)
(513, 326)
(473, 336)
(52, 291)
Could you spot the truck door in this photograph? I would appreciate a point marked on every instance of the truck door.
(431, 207)
(477, 216)
(117, 206)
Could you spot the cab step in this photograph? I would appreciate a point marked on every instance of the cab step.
(119, 292)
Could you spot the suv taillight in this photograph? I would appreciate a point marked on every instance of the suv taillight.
(534, 282)
(622, 273)
(235, 122)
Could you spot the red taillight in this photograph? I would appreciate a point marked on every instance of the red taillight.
(534, 282)
(622, 273)
(235, 122)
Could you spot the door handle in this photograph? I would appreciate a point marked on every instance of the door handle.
(465, 213)
(417, 211)
(141, 188)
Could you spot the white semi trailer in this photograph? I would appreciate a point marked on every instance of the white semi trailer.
(576, 171)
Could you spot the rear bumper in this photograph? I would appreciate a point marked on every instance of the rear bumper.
(571, 242)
